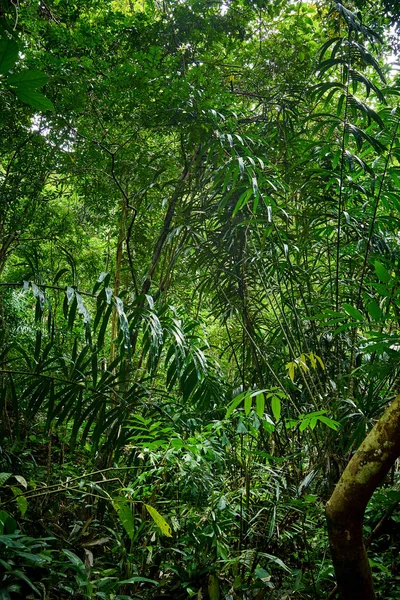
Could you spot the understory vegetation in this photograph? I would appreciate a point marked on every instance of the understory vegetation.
(199, 293)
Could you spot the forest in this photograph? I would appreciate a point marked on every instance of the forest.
(199, 299)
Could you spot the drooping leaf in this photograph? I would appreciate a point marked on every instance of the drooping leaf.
(234, 404)
(27, 580)
(159, 520)
(276, 407)
(374, 310)
(381, 271)
(22, 505)
(21, 480)
(125, 515)
(353, 312)
(260, 405)
(329, 422)
(247, 404)
(291, 366)
(74, 559)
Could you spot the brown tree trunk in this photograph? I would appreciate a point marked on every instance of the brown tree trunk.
(345, 509)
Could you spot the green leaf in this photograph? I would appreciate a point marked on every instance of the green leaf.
(137, 580)
(381, 272)
(277, 561)
(33, 98)
(72, 314)
(353, 312)
(58, 276)
(74, 559)
(239, 398)
(247, 404)
(291, 366)
(305, 423)
(374, 310)
(22, 576)
(268, 424)
(159, 520)
(3, 518)
(260, 405)
(28, 80)
(329, 422)
(234, 404)
(8, 55)
(394, 495)
(22, 505)
(125, 515)
(243, 199)
(241, 428)
(35, 559)
(276, 407)
(9, 526)
(311, 498)
(262, 573)
(4, 477)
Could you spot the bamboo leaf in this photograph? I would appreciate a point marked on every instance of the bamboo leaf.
(234, 404)
(125, 515)
(247, 404)
(260, 405)
(291, 366)
(382, 273)
(353, 312)
(22, 505)
(276, 407)
(159, 520)
(374, 310)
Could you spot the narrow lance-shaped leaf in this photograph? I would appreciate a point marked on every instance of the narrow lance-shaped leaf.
(381, 272)
(125, 515)
(353, 312)
(159, 520)
(276, 407)
(260, 405)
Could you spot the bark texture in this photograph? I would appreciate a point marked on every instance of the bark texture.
(345, 509)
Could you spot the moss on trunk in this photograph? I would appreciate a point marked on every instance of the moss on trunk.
(345, 509)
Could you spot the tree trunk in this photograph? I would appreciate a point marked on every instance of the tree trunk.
(117, 278)
(346, 507)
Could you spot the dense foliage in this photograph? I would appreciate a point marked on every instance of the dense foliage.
(199, 293)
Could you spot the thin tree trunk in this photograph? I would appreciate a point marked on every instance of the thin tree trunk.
(178, 192)
(345, 509)
(117, 279)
